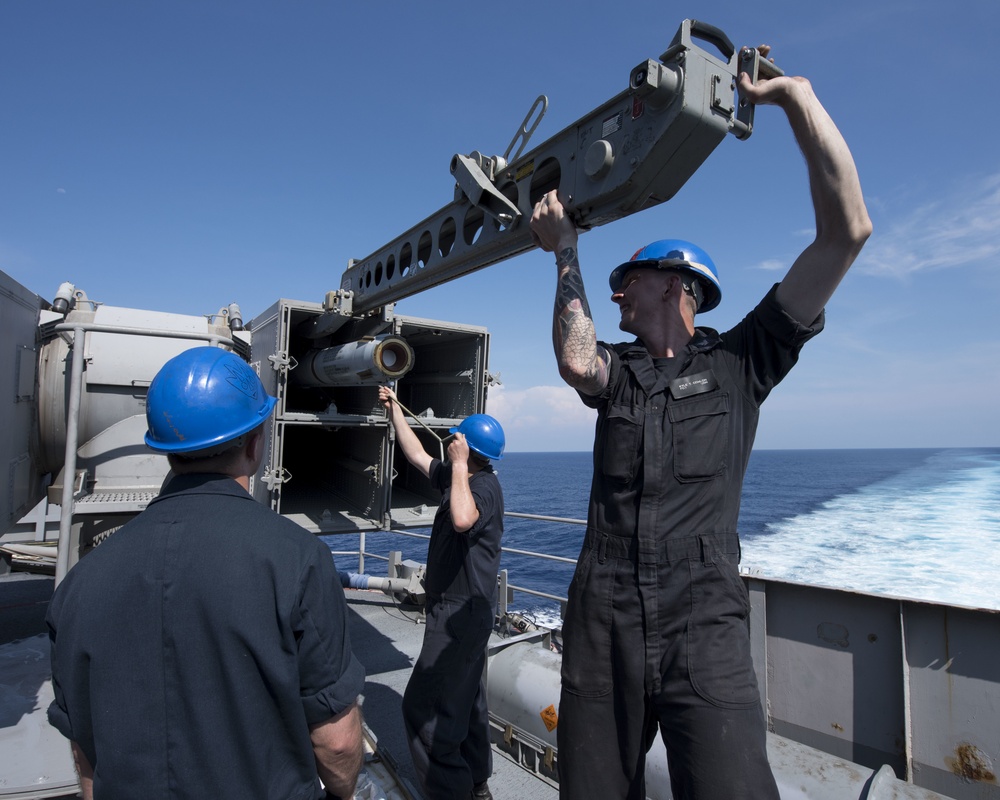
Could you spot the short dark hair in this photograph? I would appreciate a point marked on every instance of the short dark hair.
(214, 462)
(214, 459)
(692, 286)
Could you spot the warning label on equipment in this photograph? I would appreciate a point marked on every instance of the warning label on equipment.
(550, 718)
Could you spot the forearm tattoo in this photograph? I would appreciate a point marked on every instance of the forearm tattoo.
(573, 330)
(571, 282)
(566, 257)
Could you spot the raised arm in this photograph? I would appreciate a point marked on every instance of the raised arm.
(408, 441)
(582, 363)
(842, 222)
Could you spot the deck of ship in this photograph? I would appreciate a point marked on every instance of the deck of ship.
(843, 673)
(386, 637)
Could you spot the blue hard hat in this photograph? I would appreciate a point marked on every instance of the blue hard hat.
(202, 398)
(675, 254)
(483, 435)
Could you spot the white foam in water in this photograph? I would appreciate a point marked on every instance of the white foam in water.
(901, 536)
(542, 617)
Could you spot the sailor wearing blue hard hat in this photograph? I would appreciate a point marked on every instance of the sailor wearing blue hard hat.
(701, 278)
(444, 705)
(483, 434)
(204, 401)
(655, 629)
(210, 602)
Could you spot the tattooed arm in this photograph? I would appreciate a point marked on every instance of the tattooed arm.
(583, 364)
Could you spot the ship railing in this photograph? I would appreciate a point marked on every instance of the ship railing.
(887, 686)
(507, 589)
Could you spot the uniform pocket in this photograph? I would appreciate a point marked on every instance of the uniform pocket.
(469, 621)
(700, 434)
(719, 661)
(586, 662)
(621, 441)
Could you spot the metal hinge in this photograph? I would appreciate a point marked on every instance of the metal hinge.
(281, 362)
(275, 477)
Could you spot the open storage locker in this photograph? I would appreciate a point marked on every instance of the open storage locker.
(332, 476)
(333, 465)
(447, 383)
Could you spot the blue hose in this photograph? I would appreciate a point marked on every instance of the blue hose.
(353, 580)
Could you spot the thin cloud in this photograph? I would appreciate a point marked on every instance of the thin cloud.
(543, 418)
(60, 190)
(960, 229)
(771, 265)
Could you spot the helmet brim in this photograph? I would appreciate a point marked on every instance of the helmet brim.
(231, 435)
(710, 287)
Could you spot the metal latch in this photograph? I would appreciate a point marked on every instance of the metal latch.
(476, 174)
(475, 183)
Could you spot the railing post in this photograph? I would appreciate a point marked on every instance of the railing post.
(502, 595)
(64, 559)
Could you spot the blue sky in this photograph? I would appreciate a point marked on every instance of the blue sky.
(179, 156)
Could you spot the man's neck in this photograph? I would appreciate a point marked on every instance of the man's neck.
(471, 467)
(669, 340)
(475, 467)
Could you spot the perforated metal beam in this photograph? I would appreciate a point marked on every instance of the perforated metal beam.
(633, 152)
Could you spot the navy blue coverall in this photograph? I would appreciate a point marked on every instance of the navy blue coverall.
(444, 705)
(192, 650)
(656, 625)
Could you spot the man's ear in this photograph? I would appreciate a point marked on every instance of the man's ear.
(255, 444)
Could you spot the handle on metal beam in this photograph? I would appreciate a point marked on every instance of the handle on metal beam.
(524, 132)
(713, 35)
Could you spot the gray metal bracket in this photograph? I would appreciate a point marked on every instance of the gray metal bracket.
(757, 67)
(338, 310)
(477, 186)
(476, 174)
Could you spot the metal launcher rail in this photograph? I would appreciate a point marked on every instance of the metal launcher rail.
(631, 153)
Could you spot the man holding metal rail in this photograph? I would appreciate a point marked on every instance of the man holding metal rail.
(655, 633)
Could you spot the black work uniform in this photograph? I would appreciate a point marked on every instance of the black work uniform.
(444, 705)
(192, 650)
(656, 623)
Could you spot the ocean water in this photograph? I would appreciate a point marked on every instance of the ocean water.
(923, 524)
